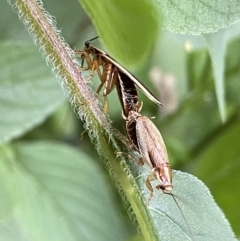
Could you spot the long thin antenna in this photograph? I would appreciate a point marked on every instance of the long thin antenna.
(87, 43)
(190, 231)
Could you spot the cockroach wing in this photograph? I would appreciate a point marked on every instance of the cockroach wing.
(131, 77)
(150, 143)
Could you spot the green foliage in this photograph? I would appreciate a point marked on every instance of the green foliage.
(51, 191)
(119, 28)
(52, 184)
(30, 103)
(196, 17)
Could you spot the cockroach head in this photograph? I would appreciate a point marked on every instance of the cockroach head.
(87, 43)
(165, 189)
(163, 175)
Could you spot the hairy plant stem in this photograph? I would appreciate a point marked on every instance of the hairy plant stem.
(61, 58)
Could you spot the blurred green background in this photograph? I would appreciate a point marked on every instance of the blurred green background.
(37, 123)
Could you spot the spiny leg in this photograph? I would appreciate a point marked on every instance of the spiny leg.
(138, 161)
(110, 78)
(123, 139)
(85, 55)
(149, 186)
(105, 105)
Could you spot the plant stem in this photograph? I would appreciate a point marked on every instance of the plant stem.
(61, 58)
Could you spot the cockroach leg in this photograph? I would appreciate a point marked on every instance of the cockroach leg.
(93, 68)
(92, 64)
(122, 138)
(82, 134)
(162, 175)
(149, 186)
(110, 78)
(99, 88)
(105, 105)
(85, 55)
(138, 161)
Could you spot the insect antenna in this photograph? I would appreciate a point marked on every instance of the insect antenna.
(87, 43)
(189, 229)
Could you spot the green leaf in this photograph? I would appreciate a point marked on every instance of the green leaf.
(71, 14)
(62, 195)
(11, 230)
(10, 26)
(217, 44)
(217, 48)
(6, 202)
(65, 191)
(198, 116)
(128, 28)
(219, 166)
(196, 16)
(28, 92)
(97, 125)
(7, 187)
(196, 204)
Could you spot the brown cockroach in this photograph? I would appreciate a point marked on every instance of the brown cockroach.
(109, 71)
(148, 141)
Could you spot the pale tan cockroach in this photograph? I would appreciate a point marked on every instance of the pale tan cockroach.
(147, 140)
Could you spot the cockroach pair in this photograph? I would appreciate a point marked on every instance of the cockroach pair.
(143, 135)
